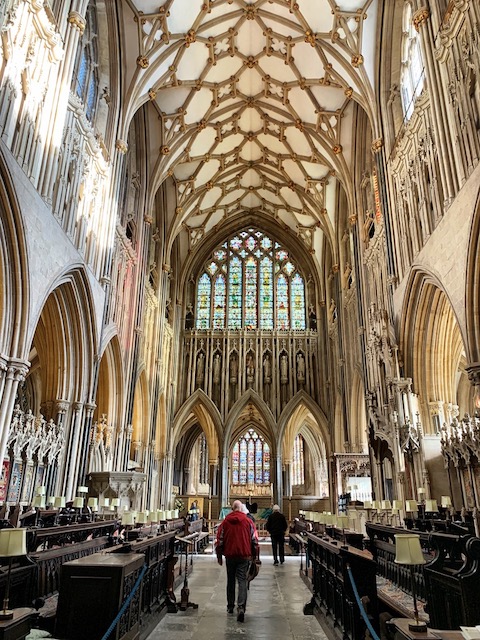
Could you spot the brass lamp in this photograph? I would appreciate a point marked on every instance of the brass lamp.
(13, 543)
(409, 552)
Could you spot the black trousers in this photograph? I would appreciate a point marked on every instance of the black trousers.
(278, 547)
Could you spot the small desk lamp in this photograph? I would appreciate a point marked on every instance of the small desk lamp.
(13, 543)
(409, 552)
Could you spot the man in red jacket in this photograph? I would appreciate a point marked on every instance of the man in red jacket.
(237, 541)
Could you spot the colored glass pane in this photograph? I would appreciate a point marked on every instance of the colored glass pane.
(235, 294)
(289, 268)
(212, 268)
(219, 303)
(282, 302)
(266, 294)
(251, 243)
(235, 463)
(258, 462)
(203, 302)
(235, 243)
(243, 462)
(266, 243)
(220, 255)
(281, 255)
(251, 461)
(298, 302)
(251, 293)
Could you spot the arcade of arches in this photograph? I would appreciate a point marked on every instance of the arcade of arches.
(239, 251)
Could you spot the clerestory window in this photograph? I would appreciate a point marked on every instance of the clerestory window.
(85, 77)
(412, 77)
(250, 282)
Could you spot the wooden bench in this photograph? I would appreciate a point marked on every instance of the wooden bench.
(394, 582)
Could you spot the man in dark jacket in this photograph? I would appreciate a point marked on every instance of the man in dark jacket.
(276, 527)
(237, 541)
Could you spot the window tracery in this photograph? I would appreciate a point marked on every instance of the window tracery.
(85, 76)
(298, 464)
(250, 282)
(412, 78)
(251, 460)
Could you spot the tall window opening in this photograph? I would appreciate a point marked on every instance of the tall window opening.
(298, 466)
(251, 460)
(85, 76)
(250, 282)
(412, 77)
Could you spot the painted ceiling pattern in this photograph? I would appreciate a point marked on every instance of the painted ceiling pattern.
(255, 103)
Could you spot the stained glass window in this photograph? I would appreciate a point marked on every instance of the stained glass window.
(251, 460)
(256, 281)
(203, 302)
(282, 302)
(298, 466)
(298, 302)
(219, 303)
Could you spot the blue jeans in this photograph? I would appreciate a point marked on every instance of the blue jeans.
(237, 569)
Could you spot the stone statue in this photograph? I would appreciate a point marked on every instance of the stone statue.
(250, 368)
(233, 369)
(216, 368)
(300, 367)
(283, 368)
(312, 318)
(200, 368)
(267, 369)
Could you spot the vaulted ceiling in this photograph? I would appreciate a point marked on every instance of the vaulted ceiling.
(255, 104)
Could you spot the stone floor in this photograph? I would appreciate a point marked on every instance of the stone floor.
(274, 606)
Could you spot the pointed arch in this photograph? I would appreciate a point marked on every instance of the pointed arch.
(302, 398)
(110, 388)
(141, 410)
(15, 284)
(431, 342)
(358, 418)
(65, 338)
(472, 293)
(205, 411)
(269, 429)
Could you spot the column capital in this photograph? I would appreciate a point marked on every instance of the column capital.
(77, 21)
(473, 371)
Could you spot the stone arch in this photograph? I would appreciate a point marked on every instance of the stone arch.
(110, 387)
(141, 410)
(431, 342)
(472, 293)
(303, 400)
(264, 421)
(208, 417)
(259, 220)
(15, 288)
(64, 341)
(358, 416)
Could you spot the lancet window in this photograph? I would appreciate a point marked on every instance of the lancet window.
(251, 282)
(412, 77)
(85, 77)
(298, 466)
(251, 460)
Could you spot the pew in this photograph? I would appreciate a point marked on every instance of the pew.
(333, 594)
(194, 531)
(452, 581)
(392, 576)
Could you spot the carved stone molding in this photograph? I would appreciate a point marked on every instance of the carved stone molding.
(77, 21)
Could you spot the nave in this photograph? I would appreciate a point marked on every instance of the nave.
(274, 607)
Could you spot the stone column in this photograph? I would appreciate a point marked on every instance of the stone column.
(71, 484)
(11, 374)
